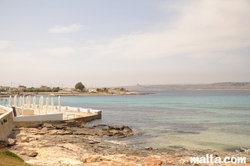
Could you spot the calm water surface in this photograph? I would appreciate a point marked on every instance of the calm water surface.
(199, 119)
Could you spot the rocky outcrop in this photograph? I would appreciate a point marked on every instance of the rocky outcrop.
(117, 131)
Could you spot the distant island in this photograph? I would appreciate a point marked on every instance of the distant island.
(78, 90)
(213, 86)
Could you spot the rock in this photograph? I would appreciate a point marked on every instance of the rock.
(107, 128)
(60, 126)
(33, 130)
(119, 135)
(152, 161)
(119, 127)
(68, 132)
(22, 153)
(107, 133)
(25, 139)
(96, 125)
(128, 131)
(11, 141)
(47, 125)
(31, 154)
(92, 159)
(60, 132)
(126, 128)
(93, 142)
(32, 139)
(53, 132)
(148, 148)
(88, 131)
(43, 131)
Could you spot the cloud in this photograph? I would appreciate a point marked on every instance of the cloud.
(236, 59)
(4, 44)
(203, 29)
(64, 29)
(60, 51)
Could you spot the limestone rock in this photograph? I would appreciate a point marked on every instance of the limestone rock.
(47, 125)
(11, 141)
(119, 127)
(53, 132)
(96, 125)
(60, 126)
(107, 128)
(93, 159)
(152, 161)
(25, 139)
(128, 131)
(31, 154)
(119, 134)
(148, 148)
(107, 133)
(93, 142)
(44, 131)
(33, 130)
(22, 153)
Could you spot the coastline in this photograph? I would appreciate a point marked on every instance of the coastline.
(67, 145)
(74, 94)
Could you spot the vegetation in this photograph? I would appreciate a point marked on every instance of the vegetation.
(3, 90)
(102, 90)
(41, 89)
(111, 90)
(79, 86)
(8, 158)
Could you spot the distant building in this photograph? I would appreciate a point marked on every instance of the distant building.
(92, 90)
(67, 90)
(4, 88)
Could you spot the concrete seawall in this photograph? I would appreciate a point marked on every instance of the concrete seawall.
(6, 122)
(38, 123)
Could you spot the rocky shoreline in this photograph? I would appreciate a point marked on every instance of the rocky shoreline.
(67, 144)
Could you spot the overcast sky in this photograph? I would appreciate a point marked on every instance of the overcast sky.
(123, 42)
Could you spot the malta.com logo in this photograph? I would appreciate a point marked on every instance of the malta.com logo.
(210, 159)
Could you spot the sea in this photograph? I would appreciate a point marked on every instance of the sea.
(191, 119)
(163, 119)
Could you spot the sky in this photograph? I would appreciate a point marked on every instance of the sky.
(123, 42)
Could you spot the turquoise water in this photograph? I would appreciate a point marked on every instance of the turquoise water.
(193, 119)
(199, 119)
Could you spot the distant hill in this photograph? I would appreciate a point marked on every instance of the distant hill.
(213, 86)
